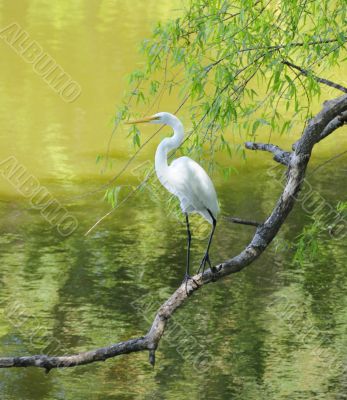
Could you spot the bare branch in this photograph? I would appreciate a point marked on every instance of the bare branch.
(315, 77)
(281, 156)
(334, 124)
(242, 221)
(264, 234)
(335, 157)
(148, 342)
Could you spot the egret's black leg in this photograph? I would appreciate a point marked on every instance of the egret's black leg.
(187, 274)
(206, 258)
(189, 236)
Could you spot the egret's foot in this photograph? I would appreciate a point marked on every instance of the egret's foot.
(186, 279)
(214, 274)
(206, 259)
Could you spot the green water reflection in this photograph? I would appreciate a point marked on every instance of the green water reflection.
(274, 331)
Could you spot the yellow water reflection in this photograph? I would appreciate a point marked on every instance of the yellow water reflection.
(96, 43)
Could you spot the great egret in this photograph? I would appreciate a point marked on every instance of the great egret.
(186, 179)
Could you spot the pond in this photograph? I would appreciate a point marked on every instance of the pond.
(276, 330)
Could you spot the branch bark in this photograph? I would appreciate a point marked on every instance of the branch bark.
(296, 161)
(334, 124)
(281, 156)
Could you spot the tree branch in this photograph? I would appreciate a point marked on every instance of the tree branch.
(334, 124)
(281, 156)
(242, 221)
(315, 77)
(293, 44)
(265, 233)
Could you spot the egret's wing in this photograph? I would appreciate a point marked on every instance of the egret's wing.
(191, 184)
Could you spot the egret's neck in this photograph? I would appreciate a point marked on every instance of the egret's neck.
(161, 164)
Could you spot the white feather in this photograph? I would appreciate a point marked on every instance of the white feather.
(184, 177)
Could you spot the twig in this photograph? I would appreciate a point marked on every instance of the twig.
(293, 44)
(315, 77)
(242, 221)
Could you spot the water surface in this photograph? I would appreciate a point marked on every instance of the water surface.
(276, 330)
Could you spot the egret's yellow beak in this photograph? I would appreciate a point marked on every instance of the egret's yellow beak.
(142, 120)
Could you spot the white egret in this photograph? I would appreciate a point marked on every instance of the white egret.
(186, 179)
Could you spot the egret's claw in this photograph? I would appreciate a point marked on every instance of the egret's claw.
(186, 279)
(206, 259)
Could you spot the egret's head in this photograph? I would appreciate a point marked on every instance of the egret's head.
(163, 118)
